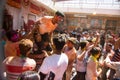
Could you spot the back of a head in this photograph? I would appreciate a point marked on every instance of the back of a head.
(12, 36)
(29, 75)
(95, 51)
(59, 41)
(25, 45)
(83, 45)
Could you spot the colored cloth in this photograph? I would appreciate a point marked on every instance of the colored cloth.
(116, 56)
(11, 49)
(16, 65)
(113, 65)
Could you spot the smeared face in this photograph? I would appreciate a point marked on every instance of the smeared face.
(15, 38)
(58, 19)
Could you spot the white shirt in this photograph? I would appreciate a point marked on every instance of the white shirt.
(55, 63)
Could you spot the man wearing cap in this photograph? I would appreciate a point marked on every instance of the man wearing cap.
(70, 51)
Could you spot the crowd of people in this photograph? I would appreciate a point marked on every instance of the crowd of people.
(46, 54)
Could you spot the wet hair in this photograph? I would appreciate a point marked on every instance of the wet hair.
(59, 41)
(29, 75)
(12, 36)
(58, 13)
(25, 45)
(95, 51)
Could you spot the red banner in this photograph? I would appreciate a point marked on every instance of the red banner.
(34, 9)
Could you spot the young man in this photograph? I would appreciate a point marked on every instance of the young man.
(45, 26)
(55, 65)
(15, 65)
(108, 51)
(70, 51)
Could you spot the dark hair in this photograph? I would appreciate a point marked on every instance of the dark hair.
(58, 13)
(83, 44)
(59, 41)
(12, 36)
(25, 45)
(29, 75)
(95, 51)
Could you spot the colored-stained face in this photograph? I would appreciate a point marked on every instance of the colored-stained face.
(58, 19)
(15, 38)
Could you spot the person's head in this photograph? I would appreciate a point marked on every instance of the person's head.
(12, 36)
(58, 16)
(25, 46)
(96, 51)
(83, 44)
(108, 47)
(71, 42)
(29, 75)
(59, 42)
